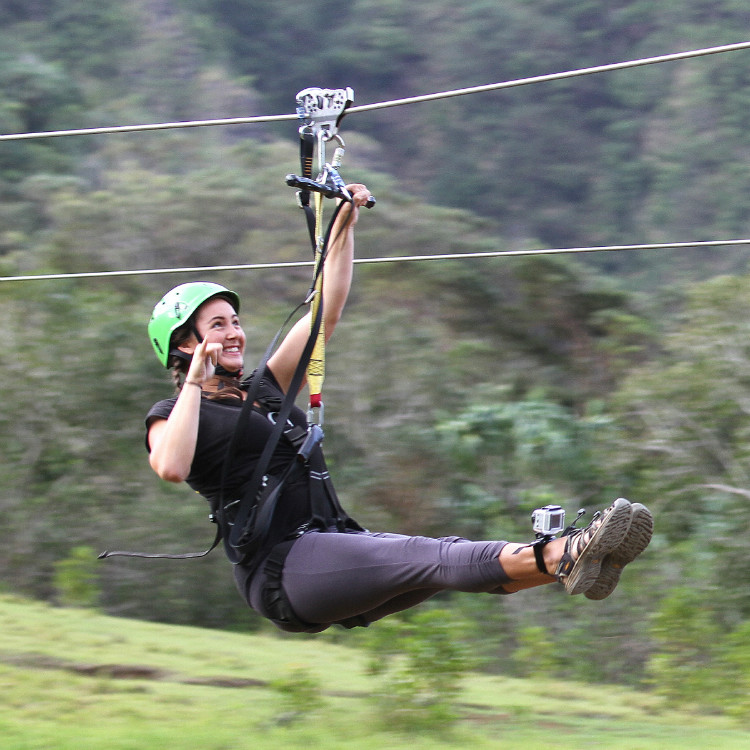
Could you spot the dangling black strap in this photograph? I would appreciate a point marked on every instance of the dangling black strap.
(306, 153)
(164, 555)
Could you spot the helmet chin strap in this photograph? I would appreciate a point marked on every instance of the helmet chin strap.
(220, 370)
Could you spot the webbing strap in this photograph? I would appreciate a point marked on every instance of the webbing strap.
(316, 367)
(239, 530)
(325, 505)
(241, 543)
(306, 154)
(538, 547)
(321, 111)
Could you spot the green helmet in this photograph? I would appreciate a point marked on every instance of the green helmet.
(176, 307)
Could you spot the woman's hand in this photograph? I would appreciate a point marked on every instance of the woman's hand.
(360, 195)
(203, 364)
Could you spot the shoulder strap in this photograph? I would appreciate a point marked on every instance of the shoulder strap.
(238, 532)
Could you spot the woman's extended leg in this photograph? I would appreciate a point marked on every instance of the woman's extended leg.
(330, 577)
(336, 577)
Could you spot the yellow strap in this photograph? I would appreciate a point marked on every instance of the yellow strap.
(316, 368)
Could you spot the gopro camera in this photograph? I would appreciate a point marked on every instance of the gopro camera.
(549, 520)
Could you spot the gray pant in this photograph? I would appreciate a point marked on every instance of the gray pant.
(339, 577)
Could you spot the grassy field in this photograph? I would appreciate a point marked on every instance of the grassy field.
(73, 679)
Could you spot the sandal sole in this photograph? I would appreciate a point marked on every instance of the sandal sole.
(606, 539)
(636, 540)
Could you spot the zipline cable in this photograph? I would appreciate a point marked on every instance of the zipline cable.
(553, 77)
(393, 103)
(389, 259)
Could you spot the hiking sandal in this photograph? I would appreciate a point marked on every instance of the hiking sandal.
(635, 541)
(585, 549)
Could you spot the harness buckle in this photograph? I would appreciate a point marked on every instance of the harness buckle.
(312, 441)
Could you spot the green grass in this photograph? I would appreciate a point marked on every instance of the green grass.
(73, 679)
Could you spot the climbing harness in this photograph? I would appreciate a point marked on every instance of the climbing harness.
(244, 522)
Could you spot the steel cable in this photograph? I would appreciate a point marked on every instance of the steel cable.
(394, 103)
(703, 244)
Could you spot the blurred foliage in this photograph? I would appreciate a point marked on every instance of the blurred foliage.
(698, 662)
(300, 693)
(644, 154)
(420, 659)
(76, 578)
(460, 395)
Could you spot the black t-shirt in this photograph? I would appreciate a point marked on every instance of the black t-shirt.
(217, 423)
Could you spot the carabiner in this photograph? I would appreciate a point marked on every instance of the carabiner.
(315, 412)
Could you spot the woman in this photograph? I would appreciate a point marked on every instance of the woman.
(310, 575)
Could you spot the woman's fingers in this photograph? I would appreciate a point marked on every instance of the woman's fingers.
(205, 359)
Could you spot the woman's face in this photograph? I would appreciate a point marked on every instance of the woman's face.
(218, 323)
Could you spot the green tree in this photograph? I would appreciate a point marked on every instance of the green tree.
(35, 95)
(91, 37)
(734, 665)
(301, 695)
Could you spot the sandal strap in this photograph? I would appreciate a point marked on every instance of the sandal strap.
(575, 537)
(567, 561)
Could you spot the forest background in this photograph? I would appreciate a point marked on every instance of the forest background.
(460, 394)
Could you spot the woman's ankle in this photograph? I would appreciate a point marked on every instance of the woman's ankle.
(520, 565)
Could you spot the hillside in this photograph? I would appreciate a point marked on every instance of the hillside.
(74, 678)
